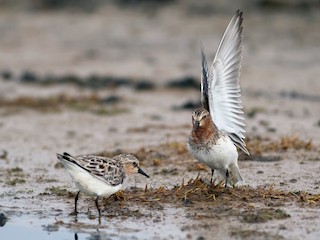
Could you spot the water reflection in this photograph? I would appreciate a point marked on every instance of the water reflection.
(93, 236)
(39, 228)
(86, 226)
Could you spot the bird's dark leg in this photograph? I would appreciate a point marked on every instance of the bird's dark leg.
(227, 178)
(97, 205)
(75, 202)
(212, 171)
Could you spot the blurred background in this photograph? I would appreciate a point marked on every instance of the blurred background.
(67, 62)
(154, 39)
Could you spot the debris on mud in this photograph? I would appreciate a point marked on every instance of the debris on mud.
(58, 191)
(92, 103)
(251, 113)
(299, 95)
(189, 105)
(14, 176)
(258, 147)
(94, 82)
(254, 234)
(263, 215)
(15, 181)
(15, 170)
(144, 85)
(184, 82)
(3, 154)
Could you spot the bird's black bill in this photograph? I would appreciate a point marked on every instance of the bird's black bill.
(143, 173)
(196, 125)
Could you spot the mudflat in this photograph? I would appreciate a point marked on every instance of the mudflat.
(123, 79)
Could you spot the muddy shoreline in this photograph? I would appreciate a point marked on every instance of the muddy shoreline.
(109, 81)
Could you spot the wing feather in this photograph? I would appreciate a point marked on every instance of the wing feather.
(204, 81)
(107, 169)
(223, 84)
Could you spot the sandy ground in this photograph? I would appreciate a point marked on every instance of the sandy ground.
(280, 86)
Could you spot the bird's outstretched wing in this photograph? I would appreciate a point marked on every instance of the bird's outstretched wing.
(223, 84)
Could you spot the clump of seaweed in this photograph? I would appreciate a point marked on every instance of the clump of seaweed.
(197, 191)
(15, 176)
(259, 146)
(15, 181)
(15, 171)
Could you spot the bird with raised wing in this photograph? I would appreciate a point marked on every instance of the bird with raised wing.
(218, 126)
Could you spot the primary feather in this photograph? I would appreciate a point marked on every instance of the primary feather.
(204, 81)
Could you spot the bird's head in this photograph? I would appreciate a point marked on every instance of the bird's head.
(200, 118)
(130, 164)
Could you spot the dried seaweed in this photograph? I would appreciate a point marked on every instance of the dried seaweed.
(197, 191)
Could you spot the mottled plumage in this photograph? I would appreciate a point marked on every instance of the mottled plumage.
(218, 125)
(107, 169)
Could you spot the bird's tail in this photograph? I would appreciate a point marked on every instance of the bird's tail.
(235, 172)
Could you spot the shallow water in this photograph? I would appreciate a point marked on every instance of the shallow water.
(19, 226)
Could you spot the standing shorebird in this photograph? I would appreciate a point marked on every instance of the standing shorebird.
(218, 124)
(99, 176)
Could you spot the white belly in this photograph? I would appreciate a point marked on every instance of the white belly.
(218, 156)
(89, 184)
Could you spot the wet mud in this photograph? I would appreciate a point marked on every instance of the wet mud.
(131, 87)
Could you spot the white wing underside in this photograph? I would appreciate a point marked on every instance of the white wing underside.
(220, 88)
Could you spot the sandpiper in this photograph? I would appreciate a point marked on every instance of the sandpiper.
(99, 176)
(218, 124)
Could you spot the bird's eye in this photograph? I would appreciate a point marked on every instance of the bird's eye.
(204, 116)
(135, 164)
